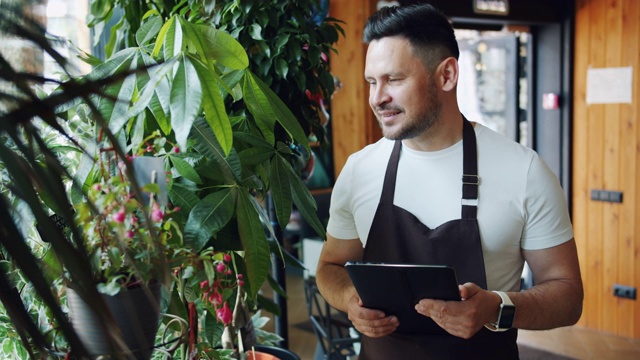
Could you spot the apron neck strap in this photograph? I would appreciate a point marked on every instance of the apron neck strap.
(470, 178)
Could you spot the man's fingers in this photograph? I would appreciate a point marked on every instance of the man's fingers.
(377, 328)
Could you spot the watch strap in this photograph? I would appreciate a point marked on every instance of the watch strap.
(505, 302)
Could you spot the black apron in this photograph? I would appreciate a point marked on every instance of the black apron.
(397, 236)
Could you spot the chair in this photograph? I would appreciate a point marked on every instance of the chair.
(330, 326)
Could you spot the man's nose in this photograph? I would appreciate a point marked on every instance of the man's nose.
(379, 96)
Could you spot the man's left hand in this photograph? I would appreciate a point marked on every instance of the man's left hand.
(463, 318)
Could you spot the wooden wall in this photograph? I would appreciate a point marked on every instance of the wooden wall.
(606, 146)
(352, 121)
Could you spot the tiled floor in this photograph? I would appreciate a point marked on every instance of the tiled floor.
(570, 342)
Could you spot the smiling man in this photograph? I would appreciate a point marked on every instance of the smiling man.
(439, 189)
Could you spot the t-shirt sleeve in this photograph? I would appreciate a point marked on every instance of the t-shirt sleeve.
(548, 223)
(341, 223)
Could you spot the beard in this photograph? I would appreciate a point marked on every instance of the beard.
(419, 124)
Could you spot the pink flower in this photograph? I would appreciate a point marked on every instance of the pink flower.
(215, 298)
(119, 216)
(221, 267)
(156, 214)
(176, 149)
(224, 314)
(227, 257)
(130, 234)
(240, 282)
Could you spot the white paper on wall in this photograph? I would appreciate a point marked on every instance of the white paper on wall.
(611, 85)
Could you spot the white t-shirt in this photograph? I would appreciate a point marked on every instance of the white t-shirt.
(520, 202)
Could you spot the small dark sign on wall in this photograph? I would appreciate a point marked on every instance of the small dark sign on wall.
(492, 7)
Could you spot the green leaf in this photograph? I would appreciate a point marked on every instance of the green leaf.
(185, 169)
(173, 40)
(183, 197)
(148, 30)
(281, 189)
(256, 155)
(282, 68)
(208, 217)
(255, 31)
(281, 40)
(306, 204)
(162, 35)
(214, 109)
(185, 101)
(257, 255)
(265, 106)
(218, 46)
(205, 143)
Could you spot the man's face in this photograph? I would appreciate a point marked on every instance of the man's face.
(402, 92)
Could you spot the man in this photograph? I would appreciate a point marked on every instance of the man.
(440, 190)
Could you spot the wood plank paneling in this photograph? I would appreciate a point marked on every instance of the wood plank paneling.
(610, 170)
(580, 146)
(350, 114)
(606, 145)
(595, 116)
(630, 28)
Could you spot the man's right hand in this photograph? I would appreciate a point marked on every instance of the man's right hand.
(369, 322)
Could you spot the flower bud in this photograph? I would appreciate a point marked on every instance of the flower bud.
(120, 216)
(224, 314)
(156, 214)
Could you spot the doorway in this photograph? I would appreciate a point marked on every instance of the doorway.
(535, 39)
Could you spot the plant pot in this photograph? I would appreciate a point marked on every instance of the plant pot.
(264, 352)
(135, 313)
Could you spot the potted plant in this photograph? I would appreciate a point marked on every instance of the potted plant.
(127, 231)
(230, 141)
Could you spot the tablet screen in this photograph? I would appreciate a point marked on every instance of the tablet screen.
(397, 288)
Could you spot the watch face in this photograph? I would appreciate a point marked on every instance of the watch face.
(507, 313)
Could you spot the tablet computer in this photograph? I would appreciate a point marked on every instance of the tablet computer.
(397, 288)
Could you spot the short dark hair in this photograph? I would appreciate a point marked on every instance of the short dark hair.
(428, 30)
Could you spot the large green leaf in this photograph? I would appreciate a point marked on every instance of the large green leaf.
(306, 204)
(257, 255)
(281, 188)
(186, 98)
(208, 217)
(183, 197)
(114, 103)
(256, 155)
(159, 103)
(217, 46)
(185, 169)
(214, 109)
(206, 143)
(148, 30)
(265, 106)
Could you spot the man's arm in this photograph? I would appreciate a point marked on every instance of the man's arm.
(338, 290)
(554, 301)
(556, 298)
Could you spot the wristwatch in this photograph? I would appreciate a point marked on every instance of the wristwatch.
(505, 316)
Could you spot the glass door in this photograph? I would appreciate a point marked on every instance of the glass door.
(493, 85)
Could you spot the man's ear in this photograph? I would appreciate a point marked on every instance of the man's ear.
(448, 72)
